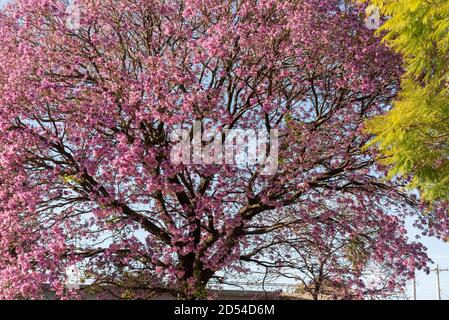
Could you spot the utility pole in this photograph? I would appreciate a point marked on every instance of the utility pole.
(437, 272)
(414, 287)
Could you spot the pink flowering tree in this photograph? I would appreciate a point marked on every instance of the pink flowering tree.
(90, 94)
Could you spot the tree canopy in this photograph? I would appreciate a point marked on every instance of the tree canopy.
(414, 135)
(86, 174)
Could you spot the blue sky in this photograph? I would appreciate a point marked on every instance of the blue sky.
(438, 252)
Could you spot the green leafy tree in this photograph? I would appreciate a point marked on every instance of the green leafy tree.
(414, 136)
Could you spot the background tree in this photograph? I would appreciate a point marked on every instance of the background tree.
(335, 257)
(85, 169)
(413, 136)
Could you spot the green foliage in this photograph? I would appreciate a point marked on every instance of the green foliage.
(418, 29)
(70, 179)
(414, 134)
(357, 253)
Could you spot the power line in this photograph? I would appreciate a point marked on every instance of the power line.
(437, 271)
